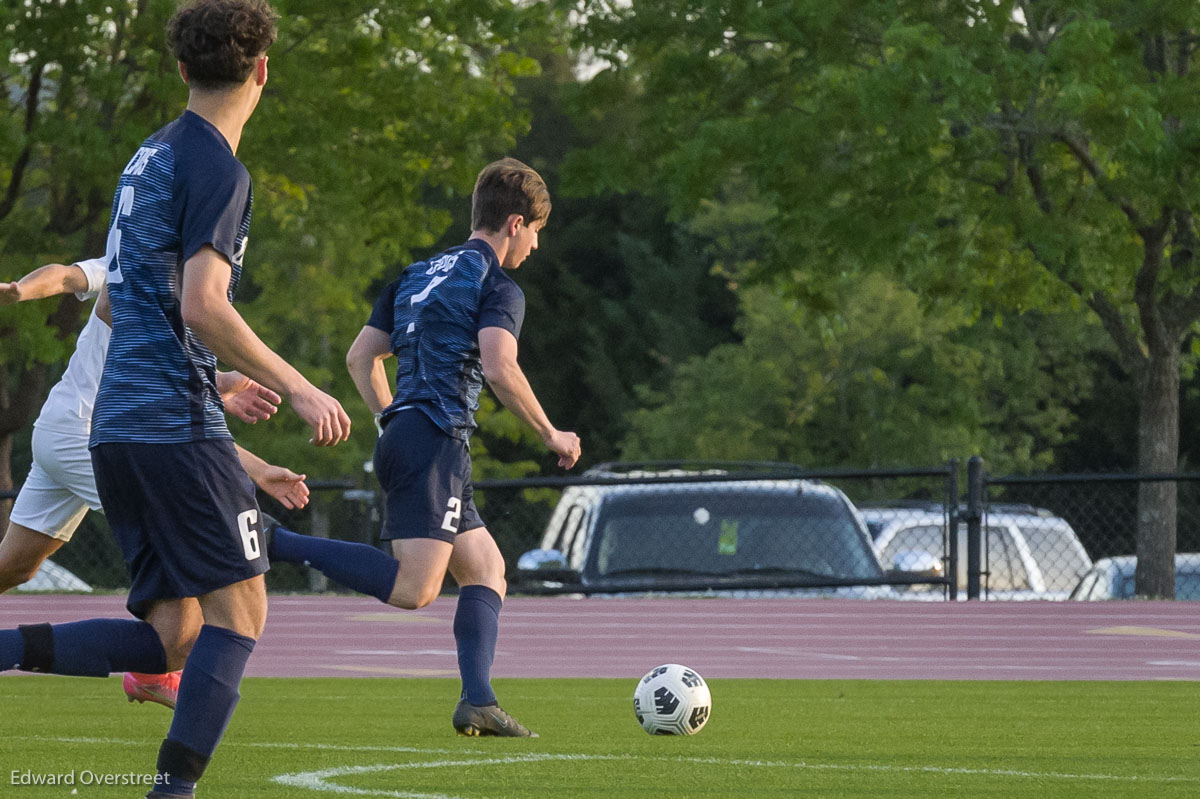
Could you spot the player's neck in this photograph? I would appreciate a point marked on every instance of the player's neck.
(225, 111)
(495, 239)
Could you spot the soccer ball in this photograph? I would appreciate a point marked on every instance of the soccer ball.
(672, 700)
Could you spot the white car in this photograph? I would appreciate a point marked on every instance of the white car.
(52, 577)
(1029, 553)
(690, 532)
(1112, 578)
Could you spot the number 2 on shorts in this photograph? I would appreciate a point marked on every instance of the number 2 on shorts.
(450, 521)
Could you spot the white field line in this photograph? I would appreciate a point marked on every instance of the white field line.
(316, 780)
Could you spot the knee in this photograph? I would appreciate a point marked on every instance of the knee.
(413, 597)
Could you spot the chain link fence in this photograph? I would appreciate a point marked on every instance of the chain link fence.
(757, 529)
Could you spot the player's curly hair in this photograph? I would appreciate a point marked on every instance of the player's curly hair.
(219, 40)
(507, 187)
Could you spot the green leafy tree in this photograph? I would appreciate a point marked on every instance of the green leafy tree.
(1022, 154)
(369, 107)
(881, 382)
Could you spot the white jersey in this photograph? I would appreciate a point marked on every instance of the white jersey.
(68, 408)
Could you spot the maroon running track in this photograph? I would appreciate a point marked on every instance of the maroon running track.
(332, 636)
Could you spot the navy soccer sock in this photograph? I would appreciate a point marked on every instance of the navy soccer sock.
(358, 566)
(12, 649)
(92, 648)
(208, 694)
(476, 628)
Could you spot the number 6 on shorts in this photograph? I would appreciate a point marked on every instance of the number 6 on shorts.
(249, 534)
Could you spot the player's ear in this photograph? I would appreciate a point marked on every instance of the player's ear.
(183, 71)
(260, 71)
(513, 224)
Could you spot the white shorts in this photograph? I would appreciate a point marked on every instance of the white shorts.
(61, 486)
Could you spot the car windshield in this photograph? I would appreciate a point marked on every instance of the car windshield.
(1055, 551)
(732, 533)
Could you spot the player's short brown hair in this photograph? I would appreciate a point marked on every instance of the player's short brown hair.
(219, 40)
(507, 187)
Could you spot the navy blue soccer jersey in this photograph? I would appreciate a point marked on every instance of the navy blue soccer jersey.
(183, 189)
(433, 314)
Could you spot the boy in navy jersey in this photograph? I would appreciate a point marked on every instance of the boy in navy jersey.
(179, 503)
(450, 322)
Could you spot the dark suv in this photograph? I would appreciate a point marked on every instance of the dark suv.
(697, 532)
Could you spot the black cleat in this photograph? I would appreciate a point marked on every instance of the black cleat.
(487, 720)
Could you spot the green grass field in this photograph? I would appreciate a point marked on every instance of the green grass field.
(392, 738)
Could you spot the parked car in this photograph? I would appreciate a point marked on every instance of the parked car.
(52, 577)
(1112, 578)
(797, 535)
(1030, 553)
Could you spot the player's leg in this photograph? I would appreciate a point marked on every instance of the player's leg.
(177, 623)
(53, 500)
(209, 689)
(478, 568)
(22, 552)
(201, 541)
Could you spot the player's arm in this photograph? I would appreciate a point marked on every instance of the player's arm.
(208, 312)
(282, 484)
(45, 281)
(498, 352)
(364, 361)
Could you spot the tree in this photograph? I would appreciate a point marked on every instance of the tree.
(1021, 153)
(369, 106)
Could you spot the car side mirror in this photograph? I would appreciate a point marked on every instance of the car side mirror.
(916, 563)
(543, 565)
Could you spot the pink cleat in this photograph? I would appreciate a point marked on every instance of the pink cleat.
(161, 688)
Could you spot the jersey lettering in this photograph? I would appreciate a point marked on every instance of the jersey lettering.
(137, 164)
(112, 249)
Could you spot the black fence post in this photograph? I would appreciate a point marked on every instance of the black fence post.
(974, 519)
(951, 565)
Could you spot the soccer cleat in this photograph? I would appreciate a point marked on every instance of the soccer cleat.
(487, 720)
(160, 688)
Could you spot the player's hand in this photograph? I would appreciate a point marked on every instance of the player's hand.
(566, 446)
(284, 485)
(10, 293)
(324, 414)
(247, 400)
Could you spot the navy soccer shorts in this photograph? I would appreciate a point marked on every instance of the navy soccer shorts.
(426, 477)
(184, 515)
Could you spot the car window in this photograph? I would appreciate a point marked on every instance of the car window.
(1187, 586)
(1085, 586)
(1006, 571)
(572, 540)
(924, 538)
(731, 532)
(1054, 549)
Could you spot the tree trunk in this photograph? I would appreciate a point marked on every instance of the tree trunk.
(1158, 452)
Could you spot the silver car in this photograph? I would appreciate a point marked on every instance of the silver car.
(1029, 553)
(1112, 578)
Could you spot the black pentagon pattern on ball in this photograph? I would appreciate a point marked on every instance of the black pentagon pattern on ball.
(698, 717)
(691, 679)
(655, 673)
(665, 701)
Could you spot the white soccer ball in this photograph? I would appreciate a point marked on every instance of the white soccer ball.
(672, 700)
